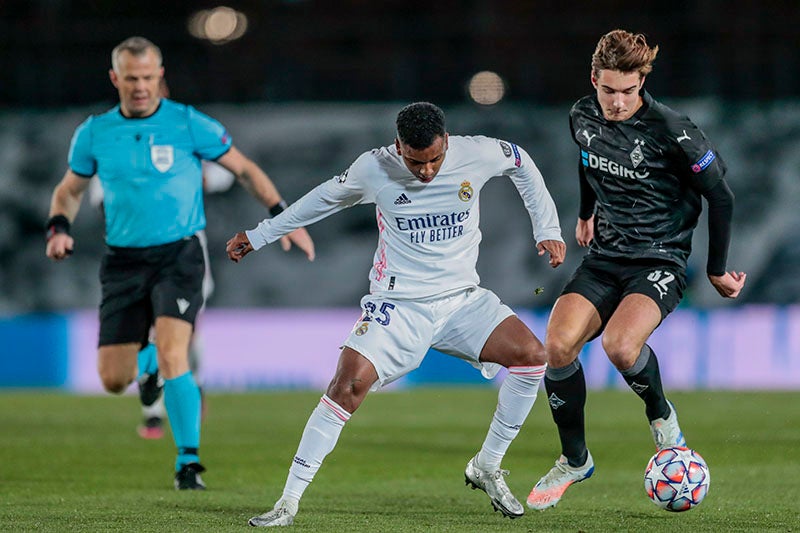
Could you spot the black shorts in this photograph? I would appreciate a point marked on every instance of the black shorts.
(140, 284)
(605, 282)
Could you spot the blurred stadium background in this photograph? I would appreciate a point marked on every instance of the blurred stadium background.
(305, 86)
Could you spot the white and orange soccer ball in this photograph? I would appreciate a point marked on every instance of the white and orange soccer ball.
(677, 479)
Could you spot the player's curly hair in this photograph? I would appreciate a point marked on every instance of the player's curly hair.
(623, 51)
(419, 124)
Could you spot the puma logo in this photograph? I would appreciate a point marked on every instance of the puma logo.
(588, 137)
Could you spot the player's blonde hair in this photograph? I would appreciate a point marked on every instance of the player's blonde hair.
(136, 46)
(623, 51)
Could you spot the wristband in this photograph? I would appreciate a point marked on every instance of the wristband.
(278, 208)
(56, 224)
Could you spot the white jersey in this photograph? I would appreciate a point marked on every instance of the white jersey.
(428, 233)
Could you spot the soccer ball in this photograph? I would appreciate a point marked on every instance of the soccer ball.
(676, 479)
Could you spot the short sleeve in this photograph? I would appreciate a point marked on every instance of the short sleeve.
(211, 139)
(80, 158)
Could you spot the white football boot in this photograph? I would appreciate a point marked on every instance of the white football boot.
(281, 515)
(493, 484)
(666, 431)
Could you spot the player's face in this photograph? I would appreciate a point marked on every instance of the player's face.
(618, 93)
(137, 80)
(425, 163)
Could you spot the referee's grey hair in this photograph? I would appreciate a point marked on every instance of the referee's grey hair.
(136, 46)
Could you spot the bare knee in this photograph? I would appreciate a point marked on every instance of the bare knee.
(348, 392)
(116, 365)
(528, 353)
(621, 351)
(560, 351)
(114, 383)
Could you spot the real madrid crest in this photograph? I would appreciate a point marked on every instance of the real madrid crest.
(465, 192)
(360, 330)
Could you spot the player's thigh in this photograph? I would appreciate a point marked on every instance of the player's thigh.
(394, 335)
(599, 282)
(629, 328)
(574, 321)
(355, 376)
(512, 343)
(467, 320)
(651, 292)
(116, 365)
(125, 308)
(178, 289)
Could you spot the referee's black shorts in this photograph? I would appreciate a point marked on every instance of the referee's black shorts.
(140, 284)
(606, 281)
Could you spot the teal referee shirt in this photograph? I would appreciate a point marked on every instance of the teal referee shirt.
(150, 170)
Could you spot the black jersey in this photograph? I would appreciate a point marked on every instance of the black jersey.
(645, 176)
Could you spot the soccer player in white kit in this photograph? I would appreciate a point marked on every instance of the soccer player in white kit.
(423, 287)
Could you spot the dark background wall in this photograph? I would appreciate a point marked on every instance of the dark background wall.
(56, 52)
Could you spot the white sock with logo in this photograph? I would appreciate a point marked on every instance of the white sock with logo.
(319, 437)
(514, 402)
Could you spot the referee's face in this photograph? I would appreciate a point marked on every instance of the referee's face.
(618, 93)
(137, 81)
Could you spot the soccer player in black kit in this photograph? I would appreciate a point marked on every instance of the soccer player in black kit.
(643, 172)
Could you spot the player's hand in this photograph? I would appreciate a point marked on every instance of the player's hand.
(584, 231)
(60, 246)
(728, 285)
(301, 239)
(238, 247)
(556, 249)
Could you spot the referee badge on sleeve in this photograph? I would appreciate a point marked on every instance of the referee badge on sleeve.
(162, 156)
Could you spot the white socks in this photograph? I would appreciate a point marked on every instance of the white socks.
(319, 438)
(514, 402)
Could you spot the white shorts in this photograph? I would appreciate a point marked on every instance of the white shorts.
(396, 334)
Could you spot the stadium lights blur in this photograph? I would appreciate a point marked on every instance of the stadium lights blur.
(219, 25)
(486, 88)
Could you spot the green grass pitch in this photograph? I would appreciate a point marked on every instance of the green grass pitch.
(70, 463)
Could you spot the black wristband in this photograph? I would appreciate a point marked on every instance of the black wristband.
(278, 208)
(56, 224)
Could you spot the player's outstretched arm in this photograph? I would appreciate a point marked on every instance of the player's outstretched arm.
(728, 285)
(556, 249)
(64, 206)
(238, 246)
(258, 184)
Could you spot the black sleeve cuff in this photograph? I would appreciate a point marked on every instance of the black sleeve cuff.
(720, 212)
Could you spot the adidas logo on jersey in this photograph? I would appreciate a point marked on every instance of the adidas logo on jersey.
(402, 200)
